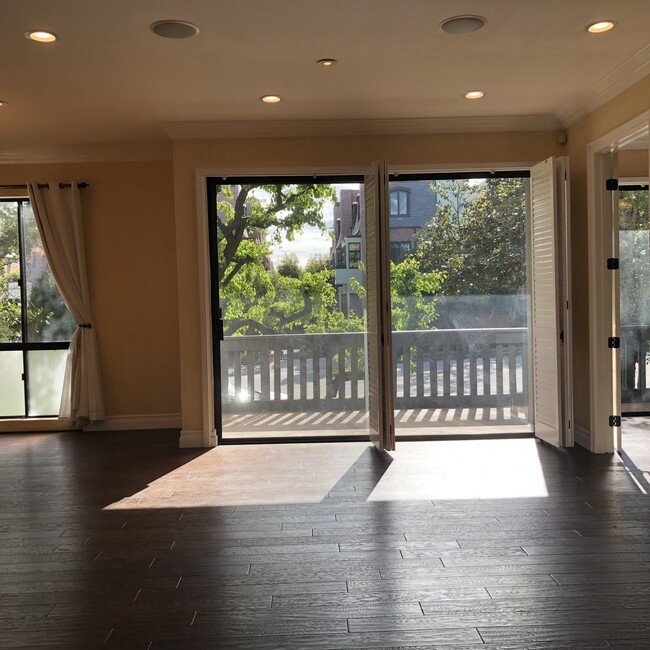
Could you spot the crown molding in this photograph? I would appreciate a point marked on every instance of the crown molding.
(125, 152)
(618, 80)
(321, 128)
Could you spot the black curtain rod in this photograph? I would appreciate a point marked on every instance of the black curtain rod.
(82, 186)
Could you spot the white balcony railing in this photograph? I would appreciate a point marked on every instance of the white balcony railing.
(315, 372)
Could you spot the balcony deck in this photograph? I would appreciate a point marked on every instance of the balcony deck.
(425, 422)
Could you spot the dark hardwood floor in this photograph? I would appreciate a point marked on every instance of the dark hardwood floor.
(123, 540)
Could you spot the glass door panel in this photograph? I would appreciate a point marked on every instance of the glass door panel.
(287, 263)
(459, 292)
(634, 274)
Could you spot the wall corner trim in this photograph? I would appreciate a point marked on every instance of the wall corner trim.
(582, 437)
(190, 439)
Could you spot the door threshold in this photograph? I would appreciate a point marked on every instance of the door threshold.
(294, 439)
(465, 436)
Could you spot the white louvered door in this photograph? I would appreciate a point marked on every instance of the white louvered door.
(550, 303)
(379, 330)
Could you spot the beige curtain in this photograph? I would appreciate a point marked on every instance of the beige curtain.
(58, 217)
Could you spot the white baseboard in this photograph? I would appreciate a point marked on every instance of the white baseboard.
(137, 422)
(582, 437)
(191, 439)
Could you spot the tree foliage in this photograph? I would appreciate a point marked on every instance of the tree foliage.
(412, 294)
(251, 218)
(289, 266)
(482, 250)
(47, 316)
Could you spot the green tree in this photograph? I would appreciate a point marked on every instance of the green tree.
(289, 266)
(10, 318)
(483, 250)
(412, 294)
(250, 219)
(317, 263)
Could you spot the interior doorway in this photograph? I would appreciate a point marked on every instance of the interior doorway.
(618, 219)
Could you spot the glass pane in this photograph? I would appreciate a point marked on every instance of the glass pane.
(10, 325)
(12, 396)
(46, 370)
(459, 308)
(634, 274)
(48, 319)
(293, 304)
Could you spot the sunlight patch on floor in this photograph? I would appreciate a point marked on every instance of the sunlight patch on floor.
(311, 473)
(485, 469)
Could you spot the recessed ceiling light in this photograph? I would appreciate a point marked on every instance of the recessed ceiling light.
(271, 99)
(600, 27)
(3, 103)
(40, 36)
(174, 29)
(327, 63)
(475, 94)
(462, 24)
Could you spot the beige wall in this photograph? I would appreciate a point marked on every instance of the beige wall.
(332, 153)
(633, 163)
(129, 231)
(614, 113)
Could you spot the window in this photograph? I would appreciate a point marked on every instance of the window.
(399, 203)
(35, 325)
(354, 255)
(399, 250)
(340, 258)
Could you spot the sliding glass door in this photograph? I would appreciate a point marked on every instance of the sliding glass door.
(460, 304)
(634, 274)
(289, 308)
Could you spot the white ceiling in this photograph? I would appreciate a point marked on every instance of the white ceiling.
(110, 79)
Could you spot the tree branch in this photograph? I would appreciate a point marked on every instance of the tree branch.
(238, 264)
(305, 311)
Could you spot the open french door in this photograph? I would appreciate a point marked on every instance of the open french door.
(551, 322)
(379, 329)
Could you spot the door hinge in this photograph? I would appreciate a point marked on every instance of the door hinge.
(611, 184)
(612, 263)
(22, 376)
(614, 342)
(614, 420)
(562, 336)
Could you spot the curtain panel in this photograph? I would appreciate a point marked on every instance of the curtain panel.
(58, 216)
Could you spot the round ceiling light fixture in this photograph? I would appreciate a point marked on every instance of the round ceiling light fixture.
(600, 27)
(3, 103)
(40, 36)
(271, 99)
(327, 63)
(174, 29)
(475, 94)
(463, 24)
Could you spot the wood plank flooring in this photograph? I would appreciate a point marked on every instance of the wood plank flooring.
(122, 540)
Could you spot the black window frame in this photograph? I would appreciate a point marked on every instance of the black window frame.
(401, 248)
(357, 255)
(407, 200)
(24, 345)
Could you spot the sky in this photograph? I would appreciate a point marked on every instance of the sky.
(311, 242)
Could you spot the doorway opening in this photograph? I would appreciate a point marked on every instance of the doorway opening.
(459, 247)
(344, 308)
(288, 309)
